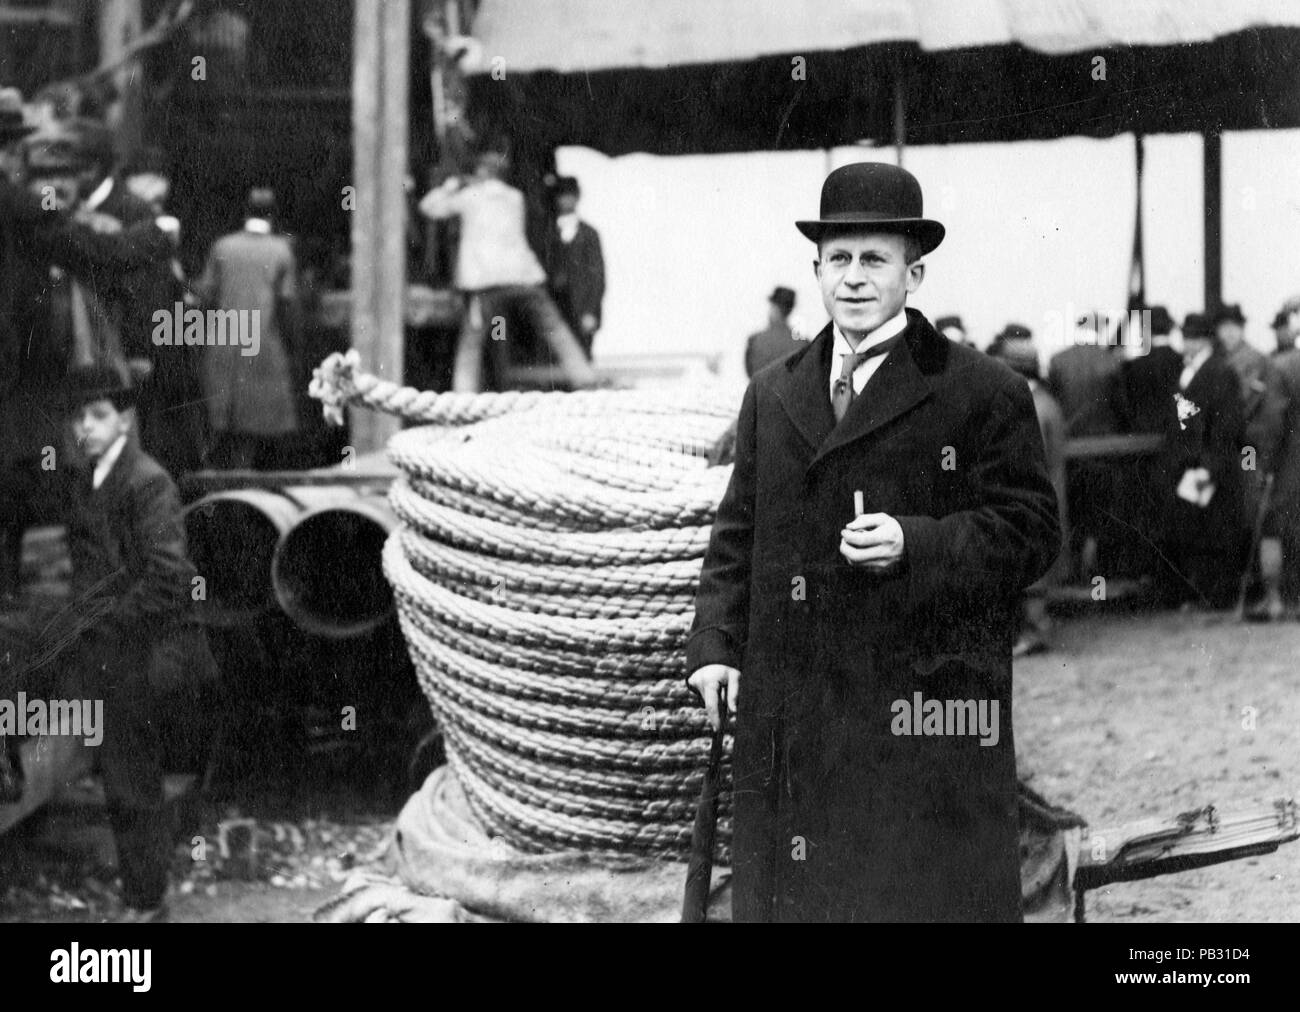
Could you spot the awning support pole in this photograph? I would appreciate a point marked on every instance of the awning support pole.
(381, 55)
(1212, 169)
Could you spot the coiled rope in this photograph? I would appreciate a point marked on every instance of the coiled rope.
(544, 570)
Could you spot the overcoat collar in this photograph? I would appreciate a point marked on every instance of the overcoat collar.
(116, 479)
(906, 377)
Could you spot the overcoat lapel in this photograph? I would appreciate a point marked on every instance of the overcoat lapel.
(805, 394)
(896, 387)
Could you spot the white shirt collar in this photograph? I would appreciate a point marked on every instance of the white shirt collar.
(98, 195)
(894, 325)
(259, 225)
(106, 462)
(1193, 367)
(567, 224)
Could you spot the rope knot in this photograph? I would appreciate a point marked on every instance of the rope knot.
(333, 383)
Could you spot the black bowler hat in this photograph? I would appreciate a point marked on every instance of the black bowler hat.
(944, 322)
(1015, 348)
(875, 194)
(86, 383)
(1282, 319)
(566, 184)
(1229, 314)
(1014, 332)
(1196, 325)
(1161, 322)
(783, 297)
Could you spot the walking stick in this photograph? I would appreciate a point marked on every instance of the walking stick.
(1257, 535)
(699, 873)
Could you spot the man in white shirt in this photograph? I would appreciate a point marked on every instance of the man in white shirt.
(496, 269)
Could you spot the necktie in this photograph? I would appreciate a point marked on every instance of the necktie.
(842, 396)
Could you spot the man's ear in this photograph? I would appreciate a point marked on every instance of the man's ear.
(915, 275)
(817, 268)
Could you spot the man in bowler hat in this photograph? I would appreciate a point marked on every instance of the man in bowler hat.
(776, 340)
(888, 505)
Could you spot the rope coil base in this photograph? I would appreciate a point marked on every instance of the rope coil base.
(544, 571)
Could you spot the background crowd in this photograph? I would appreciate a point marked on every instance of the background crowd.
(1207, 513)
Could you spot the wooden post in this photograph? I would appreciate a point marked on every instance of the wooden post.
(381, 55)
(120, 24)
(1137, 282)
(1212, 170)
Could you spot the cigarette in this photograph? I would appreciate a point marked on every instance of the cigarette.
(858, 508)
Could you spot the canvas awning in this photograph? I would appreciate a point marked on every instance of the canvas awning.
(570, 36)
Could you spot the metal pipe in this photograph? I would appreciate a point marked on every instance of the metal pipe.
(326, 570)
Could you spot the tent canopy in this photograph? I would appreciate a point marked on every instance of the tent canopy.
(570, 36)
(621, 75)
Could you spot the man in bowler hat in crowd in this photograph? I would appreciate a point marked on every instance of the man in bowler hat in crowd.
(775, 341)
(833, 625)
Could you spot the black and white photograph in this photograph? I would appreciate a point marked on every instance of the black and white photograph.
(650, 461)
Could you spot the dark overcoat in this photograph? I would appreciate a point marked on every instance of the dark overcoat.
(132, 575)
(1205, 541)
(575, 274)
(837, 818)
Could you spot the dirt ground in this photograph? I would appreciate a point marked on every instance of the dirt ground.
(1131, 716)
(1137, 716)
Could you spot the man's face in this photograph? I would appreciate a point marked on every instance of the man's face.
(1230, 334)
(96, 426)
(865, 279)
(566, 203)
(1194, 344)
(955, 334)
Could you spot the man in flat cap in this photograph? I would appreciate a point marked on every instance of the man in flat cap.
(889, 504)
(776, 340)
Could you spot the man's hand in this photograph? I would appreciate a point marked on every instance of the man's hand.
(711, 680)
(873, 541)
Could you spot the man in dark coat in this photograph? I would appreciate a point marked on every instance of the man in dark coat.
(1145, 404)
(575, 265)
(1084, 379)
(1279, 550)
(1201, 474)
(144, 655)
(1148, 383)
(777, 340)
(872, 646)
(1015, 347)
